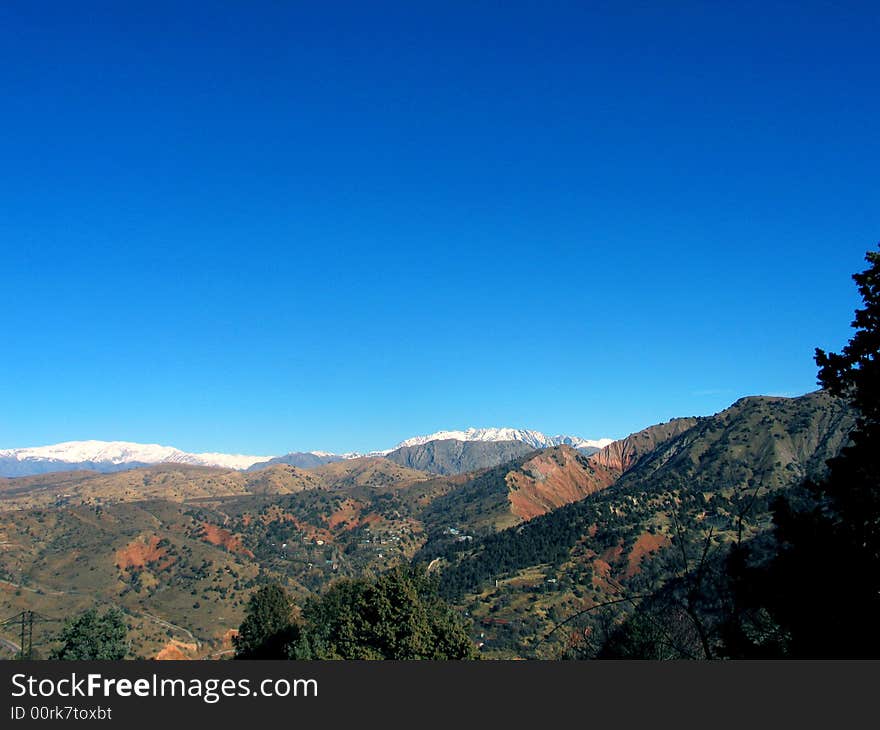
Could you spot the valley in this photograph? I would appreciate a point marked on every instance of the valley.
(544, 552)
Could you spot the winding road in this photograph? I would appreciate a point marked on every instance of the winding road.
(48, 591)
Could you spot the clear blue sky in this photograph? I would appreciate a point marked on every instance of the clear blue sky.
(271, 226)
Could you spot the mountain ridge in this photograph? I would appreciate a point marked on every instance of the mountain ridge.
(520, 545)
(451, 456)
(533, 438)
(699, 489)
(111, 456)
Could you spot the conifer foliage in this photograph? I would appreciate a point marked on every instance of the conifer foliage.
(93, 636)
(398, 615)
(821, 590)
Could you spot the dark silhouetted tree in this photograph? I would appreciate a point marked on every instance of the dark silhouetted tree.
(267, 627)
(819, 595)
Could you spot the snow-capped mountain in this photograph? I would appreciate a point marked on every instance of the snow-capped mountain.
(109, 456)
(535, 439)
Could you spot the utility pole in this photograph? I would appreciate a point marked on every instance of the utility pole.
(30, 638)
(25, 621)
(21, 641)
(27, 634)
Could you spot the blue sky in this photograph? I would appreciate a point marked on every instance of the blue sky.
(271, 226)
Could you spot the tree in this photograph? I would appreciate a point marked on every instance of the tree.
(397, 616)
(91, 636)
(267, 626)
(827, 531)
(853, 487)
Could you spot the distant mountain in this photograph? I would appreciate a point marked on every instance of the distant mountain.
(522, 544)
(543, 480)
(182, 482)
(766, 441)
(113, 456)
(157, 539)
(366, 471)
(535, 439)
(689, 484)
(451, 456)
(517, 491)
(109, 456)
(300, 459)
(623, 455)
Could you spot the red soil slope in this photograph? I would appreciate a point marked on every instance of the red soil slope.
(554, 478)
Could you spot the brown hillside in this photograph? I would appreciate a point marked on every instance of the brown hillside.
(367, 472)
(176, 650)
(173, 482)
(622, 455)
(554, 478)
(645, 545)
(223, 538)
(140, 553)
(279, 479)
(561, 475)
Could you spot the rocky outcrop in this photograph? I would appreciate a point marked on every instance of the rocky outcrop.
(553, 478)
(622, 455)
(451, 456)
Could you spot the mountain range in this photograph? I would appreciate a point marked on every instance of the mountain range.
(112, 456)
(451, 456)
(519, 545)
(535, 439)
(108, 456)
(679, 495)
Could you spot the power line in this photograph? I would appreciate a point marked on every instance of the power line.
(26, 620)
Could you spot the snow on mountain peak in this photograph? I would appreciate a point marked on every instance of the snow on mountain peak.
(116, 453)
(535, 439)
